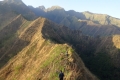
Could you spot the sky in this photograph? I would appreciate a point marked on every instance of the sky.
(110, 7)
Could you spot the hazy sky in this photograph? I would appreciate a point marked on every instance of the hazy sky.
(110, 7)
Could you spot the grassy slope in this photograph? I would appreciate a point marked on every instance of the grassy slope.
(9, 39)
(42, 59)
(102, 18)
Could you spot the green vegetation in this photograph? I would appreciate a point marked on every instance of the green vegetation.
(71, 50)
(17, 68)
(55, 54)
(56, 62)
(101, 65)
(28, 79)
(14, 79)
(10, 40)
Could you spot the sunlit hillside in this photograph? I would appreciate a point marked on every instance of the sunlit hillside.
(37, 43)
(39, 58)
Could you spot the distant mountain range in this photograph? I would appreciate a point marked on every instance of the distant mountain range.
(36, 43)
(89, 23)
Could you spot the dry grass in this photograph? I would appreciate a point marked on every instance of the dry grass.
(42, 59)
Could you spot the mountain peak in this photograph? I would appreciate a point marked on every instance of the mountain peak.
(13, 1)
(42, 7)
(88, 12)
(55, 8)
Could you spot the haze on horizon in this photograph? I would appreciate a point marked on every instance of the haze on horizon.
(108, 7)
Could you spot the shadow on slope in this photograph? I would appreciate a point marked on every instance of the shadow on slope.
(93, 51)
(43, 58)
(102, 25)
(10, 44)
(100, 55)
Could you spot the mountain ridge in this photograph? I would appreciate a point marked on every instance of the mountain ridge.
(43, 49)
(39, 46)
(71, 19)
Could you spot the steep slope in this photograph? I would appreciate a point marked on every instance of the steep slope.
(6, 15)
(93, 29)
(36, 10)
(89, 49)
(18, 7)
(9, 39)
(31, 38)
(101, 56)
(40, 57)
(102, 25)
(103, 19)
(10, 9)
(111, 46)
